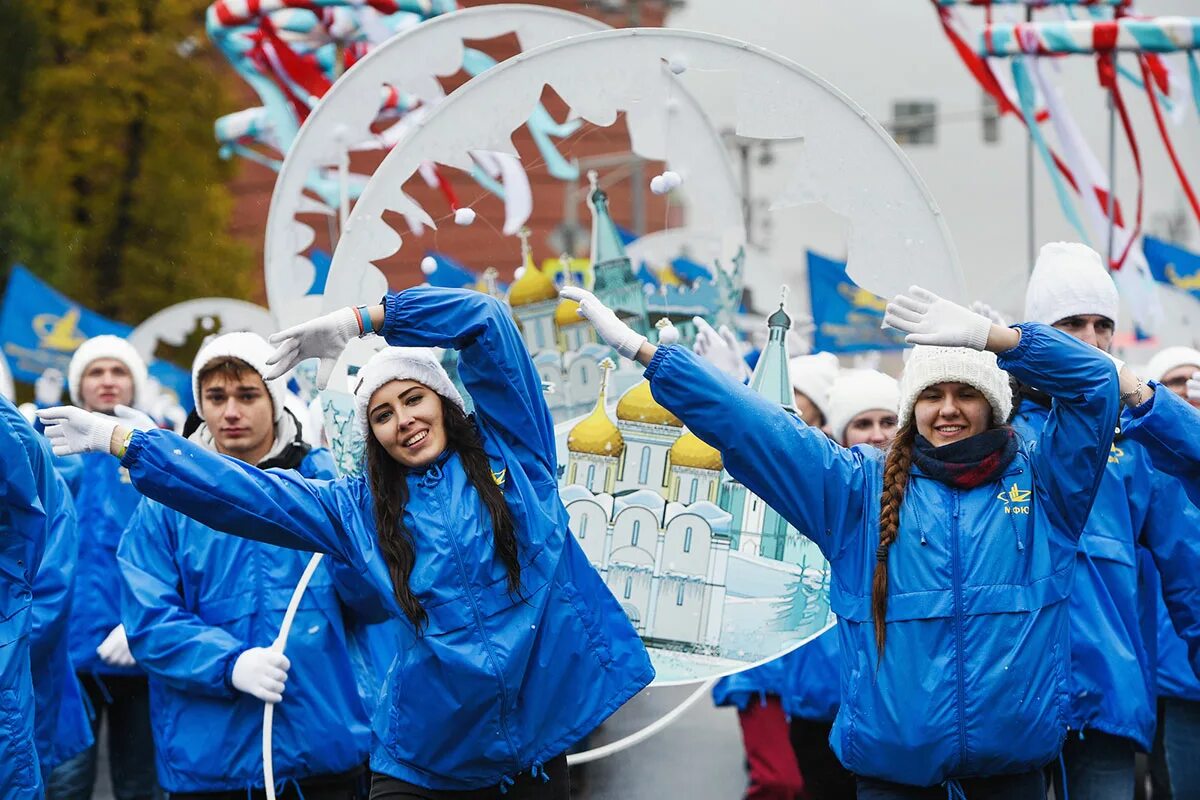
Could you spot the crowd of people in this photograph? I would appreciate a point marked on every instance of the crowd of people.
(1011, 528)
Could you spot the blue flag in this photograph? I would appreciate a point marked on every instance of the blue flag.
(40, 328)
(847, 317)
(1173, 265)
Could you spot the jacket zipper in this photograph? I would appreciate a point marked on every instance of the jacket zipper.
(958, 635)
(487, 646)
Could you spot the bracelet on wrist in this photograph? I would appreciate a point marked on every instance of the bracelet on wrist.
(125, 444)
(366, 325)
(1134, 396)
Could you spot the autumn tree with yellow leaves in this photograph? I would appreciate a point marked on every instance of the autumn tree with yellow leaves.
(110, 184)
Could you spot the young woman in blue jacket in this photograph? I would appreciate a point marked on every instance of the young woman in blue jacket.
(513, 648)
(952, 554)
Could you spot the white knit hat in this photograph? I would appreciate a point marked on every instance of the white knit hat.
(930, 365)
(856, 391)
(401, 364)
(1069, 279)
(1169, 358)
(813, 376)
(244, 346)
(106, 346)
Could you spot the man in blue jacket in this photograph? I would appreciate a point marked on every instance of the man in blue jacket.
(104, 373)
(202, 610)
(1111, 711)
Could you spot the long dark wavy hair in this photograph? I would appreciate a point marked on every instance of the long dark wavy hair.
(389, 488)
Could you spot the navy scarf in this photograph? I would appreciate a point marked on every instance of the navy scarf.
(972, 462)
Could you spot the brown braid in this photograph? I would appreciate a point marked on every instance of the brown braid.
(895, 481)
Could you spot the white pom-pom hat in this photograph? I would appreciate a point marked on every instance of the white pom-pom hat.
(932, 365)
(106, 346)
(418, 364)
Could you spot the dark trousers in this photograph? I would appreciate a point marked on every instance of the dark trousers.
(125, 702)
(824, 776)
(525, 787)
(1174, 764)
(1100, 766)
(346, 786)
(1026, 786)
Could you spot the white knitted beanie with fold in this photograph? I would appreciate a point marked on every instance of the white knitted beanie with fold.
(931, 365)
(1069, 279)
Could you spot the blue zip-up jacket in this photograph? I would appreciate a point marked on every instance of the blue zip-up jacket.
(1169, 428)
(971, 682)
(27, 486)
(104, 503)
(195, 600)
(496, 683)
(62, 729)
(1111, 683)
(806, 680)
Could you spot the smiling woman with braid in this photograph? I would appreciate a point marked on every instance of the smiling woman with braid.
(951, 553)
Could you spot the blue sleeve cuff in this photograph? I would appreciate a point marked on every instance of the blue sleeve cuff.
(136, 443)
(656, 361)
(1028, 331)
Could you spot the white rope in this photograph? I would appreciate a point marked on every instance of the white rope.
(278, 645)
(645, 733)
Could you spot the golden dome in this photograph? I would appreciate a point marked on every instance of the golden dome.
(534, 286)
(597, 434)
(690, 450)
(567, 313)
(638, 405)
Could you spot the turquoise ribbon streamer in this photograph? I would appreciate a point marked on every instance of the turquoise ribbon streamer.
(1026, 98)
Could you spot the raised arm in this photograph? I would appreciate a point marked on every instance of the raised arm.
(494, 363)
(816, 485)
(278, 507)
(1169, 429)
(1073, 447)
(170, 642)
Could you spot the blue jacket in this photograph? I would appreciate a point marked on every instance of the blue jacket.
(496, 683)
(1169, 428)
(1111, 684)
(806, 681)
(28, 489)
(1173, 673)
(971, 682)
(104, 503)
(62, 728)
(194, 600)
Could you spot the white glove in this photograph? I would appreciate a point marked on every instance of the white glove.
(47, 389)
(130, 418)
(261, 672)
(1193, 387)
(324, 337)
(984, 310)
(926, 318)
(114, 650)
(720, 349)
(72, 430)
(624, 339)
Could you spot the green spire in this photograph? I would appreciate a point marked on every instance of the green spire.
(610, 265)
(771, 378)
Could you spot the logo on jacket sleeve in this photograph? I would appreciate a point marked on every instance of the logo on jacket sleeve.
(1015, 499)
